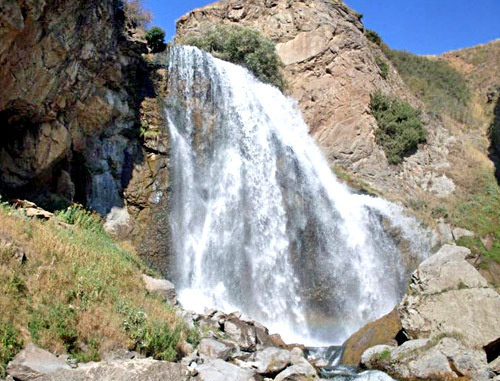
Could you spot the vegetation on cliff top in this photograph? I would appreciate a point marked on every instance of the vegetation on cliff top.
(400, 126)
(78, 292)
(243, 46)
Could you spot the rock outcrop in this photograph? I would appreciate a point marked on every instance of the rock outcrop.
(451, 316)
(66, 112)
(33, 362)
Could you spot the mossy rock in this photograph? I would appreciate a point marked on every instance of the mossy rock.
(378, 332)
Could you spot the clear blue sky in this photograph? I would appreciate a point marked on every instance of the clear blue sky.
(419, 26)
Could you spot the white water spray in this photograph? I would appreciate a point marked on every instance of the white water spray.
(259, 223)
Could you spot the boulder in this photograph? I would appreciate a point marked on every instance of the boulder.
(130, 370)
(242, 333)
(162, 286)
(215, 349)
(219, 370)
(271, 360)
(381, 331)
(300, 369)
(459, 233)
(443, 358)
(118, 223)
(448, 295)
(33, 362)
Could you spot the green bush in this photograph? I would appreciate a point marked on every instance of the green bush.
(373, 36)
(442, 88)
(10, 344)
(382, 65)
(400, 127)
(77, 215)
(151, 338)
(243, 46)
(155, 38)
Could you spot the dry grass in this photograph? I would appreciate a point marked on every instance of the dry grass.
(66, 297)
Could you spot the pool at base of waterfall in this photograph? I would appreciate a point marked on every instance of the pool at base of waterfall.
(328, 362)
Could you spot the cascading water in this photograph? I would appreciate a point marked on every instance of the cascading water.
(259, 223)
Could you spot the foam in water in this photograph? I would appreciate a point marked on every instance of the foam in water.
(259, 223)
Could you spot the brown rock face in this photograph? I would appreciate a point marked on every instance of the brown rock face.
(64, 106)
(330, 67)
(381, 331)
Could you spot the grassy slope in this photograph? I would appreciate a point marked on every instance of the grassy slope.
(78, 293)
(455, 95)
(453, 90)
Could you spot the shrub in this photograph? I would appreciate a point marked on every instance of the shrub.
(151, 338)
(400, 127)
(77, 215)
(10, 344)
(373, 36)
(156, 39)
(136, 13)
(382, 65)
(243, 46)
(442, 88)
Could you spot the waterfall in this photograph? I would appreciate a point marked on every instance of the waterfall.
(259, 222)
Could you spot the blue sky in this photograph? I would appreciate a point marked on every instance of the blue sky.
(419, 26)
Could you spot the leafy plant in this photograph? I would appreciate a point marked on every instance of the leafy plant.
(77, 215)
(10, 344)
(400, 126)
(243, 46)
(151, 338)
(382, 65)
(155, 38)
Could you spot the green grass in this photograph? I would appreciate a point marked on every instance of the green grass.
(479, 211)
(10, 344)
(400, 126)
(243, 46)
(442, 88)
(66, 297)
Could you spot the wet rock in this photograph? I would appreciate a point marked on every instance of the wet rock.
(130, 370)
(162, 286)
(300, 367)
(378, 332)
(33, 362)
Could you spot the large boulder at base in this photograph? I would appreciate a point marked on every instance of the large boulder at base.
(381, 331)
(428, 359)
(130, 370)
(271, 360)
(161, 286)
(448, 295)
(218, 370)
(33, 362)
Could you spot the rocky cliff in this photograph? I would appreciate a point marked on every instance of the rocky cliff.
(332, 69)
(76, 94)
